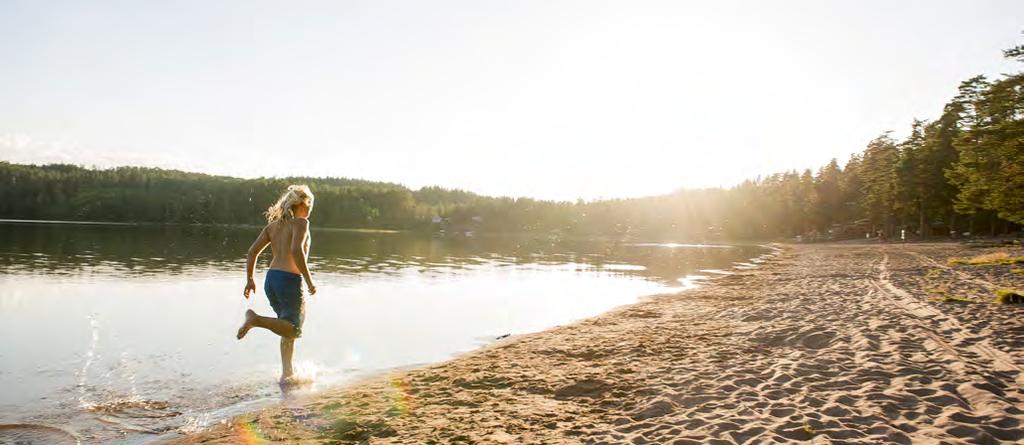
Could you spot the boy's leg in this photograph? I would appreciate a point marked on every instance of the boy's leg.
(287, 348)
(284, 328)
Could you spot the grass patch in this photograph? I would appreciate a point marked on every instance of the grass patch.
(349, 430)
(1017, 271)
(809, 430)
(943, 296)
(1007, 296)
(988, 259)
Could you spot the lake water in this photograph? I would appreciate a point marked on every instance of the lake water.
(121, 334)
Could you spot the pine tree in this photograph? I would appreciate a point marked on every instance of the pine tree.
(878, 173)
(990, 167)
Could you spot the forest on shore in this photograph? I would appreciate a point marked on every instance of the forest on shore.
(963, 171)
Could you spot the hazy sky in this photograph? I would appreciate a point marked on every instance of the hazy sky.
(551, 99)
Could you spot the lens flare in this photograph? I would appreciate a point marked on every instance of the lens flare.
(249, 434)
(401, 397)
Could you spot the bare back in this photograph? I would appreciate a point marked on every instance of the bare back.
(282, 234)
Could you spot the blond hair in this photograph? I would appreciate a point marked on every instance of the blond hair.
(285, 205)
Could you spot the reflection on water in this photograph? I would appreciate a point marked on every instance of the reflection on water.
(140, 251)
(123, 333)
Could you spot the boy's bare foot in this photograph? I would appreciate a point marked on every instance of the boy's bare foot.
(292, 381)
(250, 316)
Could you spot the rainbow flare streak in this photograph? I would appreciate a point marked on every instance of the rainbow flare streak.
(249, 434)
(401, 397)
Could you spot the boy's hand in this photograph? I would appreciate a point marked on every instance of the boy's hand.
(250, 288)
(311, 287)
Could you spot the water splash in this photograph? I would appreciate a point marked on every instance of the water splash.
(90, 357)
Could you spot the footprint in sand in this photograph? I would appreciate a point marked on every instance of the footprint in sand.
(818, 340)
(31, 434)
(657, 409)
(590, 388)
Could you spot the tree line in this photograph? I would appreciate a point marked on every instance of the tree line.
(961, 172)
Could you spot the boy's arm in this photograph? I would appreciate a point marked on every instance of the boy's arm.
(250, 260)
(299, 234)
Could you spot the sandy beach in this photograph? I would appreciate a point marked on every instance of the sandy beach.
(821, 343)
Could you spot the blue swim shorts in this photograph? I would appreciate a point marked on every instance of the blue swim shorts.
(284, 290)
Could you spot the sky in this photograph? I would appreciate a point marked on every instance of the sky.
(547, 99)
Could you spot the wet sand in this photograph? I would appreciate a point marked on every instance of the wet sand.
(824, 343)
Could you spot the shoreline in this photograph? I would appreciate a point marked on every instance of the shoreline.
(823, 341)
(771, 249)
